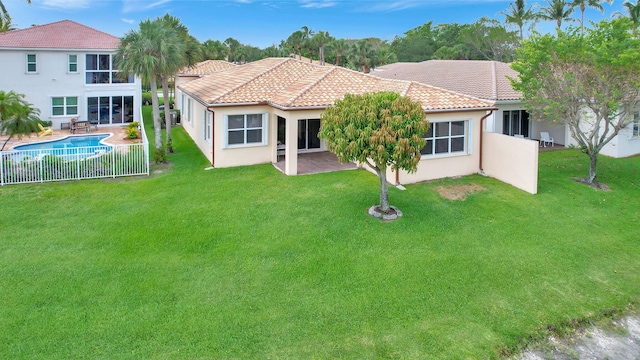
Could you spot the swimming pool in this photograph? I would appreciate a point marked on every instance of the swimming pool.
(67, 142)
(73, 146)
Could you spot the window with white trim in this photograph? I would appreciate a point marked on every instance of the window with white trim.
(206, 126)
(61, 106)
(101, 69)
(32, 61)
(635, 125)
(246, 129)
(72, 64)
(449, 137)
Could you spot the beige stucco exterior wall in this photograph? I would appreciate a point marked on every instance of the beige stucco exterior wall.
(511, 160)
(194, 117)
(437, 167)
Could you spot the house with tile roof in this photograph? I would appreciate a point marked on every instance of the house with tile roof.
(254, 113)
(489, 80)
(66, 70)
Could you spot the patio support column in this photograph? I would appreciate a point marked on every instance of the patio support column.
(291, 151)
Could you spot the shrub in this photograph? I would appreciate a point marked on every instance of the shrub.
(132, 132)
(146, 98)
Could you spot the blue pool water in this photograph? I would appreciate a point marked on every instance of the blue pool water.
(69, 142)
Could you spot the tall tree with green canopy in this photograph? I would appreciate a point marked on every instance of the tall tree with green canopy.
(295, 41)
(488, 38)
(340, 47)
(214, 50)
(633, 12)
(17, 116)
(558, 11)
(582, 5)
(363, 54)
(519, 15)
(4, 14)
(145, 53)
(590, 83)
(183, 50)
(382, 129)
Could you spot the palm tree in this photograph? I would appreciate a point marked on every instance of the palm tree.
(582, 5)
(232, 45)
(3, 10)
(321, 38)
(340, 46)
(146, 53)
(363, 54)
(6, 23)
(385, 56)
(17, 117)
(214, 50)
(185, 52)
(558, 11)
(519, 15)
(633, 11)
(295, 41)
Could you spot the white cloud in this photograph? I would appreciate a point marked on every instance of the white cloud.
(397, 5)
(317, 4)
(129, 6)
(128, 21)
(66, 4)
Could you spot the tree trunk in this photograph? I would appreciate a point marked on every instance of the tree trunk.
(338, 56)
(167, 114)
(593, 166)
(384, 191)
(157, 128)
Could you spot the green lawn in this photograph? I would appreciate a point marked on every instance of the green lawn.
(248, 263)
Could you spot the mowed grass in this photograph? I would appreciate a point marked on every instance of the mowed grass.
(249, 263)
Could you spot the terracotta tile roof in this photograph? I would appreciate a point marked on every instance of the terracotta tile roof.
(293, 84)
(482, 79)
(205, 68)
(64, 34)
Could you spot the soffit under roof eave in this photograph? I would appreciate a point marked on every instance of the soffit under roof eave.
(435, 111)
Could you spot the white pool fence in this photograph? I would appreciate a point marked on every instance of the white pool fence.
(90, 162)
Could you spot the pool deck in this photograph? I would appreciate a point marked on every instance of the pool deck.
(118, 136)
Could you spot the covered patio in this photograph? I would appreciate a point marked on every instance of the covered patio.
(316, 162)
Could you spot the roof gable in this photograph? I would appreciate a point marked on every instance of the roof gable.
(293, 84)
(65, 34)
(478, 78)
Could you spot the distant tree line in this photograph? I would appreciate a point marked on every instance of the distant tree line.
(485, 39)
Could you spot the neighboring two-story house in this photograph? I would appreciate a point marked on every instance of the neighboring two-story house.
(66, 70)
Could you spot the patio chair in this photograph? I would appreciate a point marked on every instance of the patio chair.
(44, 131)
(546, 139)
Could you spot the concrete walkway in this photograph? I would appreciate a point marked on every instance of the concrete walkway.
(621, 341)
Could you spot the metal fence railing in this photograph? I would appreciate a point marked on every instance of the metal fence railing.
(89, 162)
(27, 166)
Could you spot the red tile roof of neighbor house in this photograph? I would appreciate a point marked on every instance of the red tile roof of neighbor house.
(65, 34)
(482, 79)
(205, 68)
(293, 84)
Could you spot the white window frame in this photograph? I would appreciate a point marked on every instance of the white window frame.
(111, 70)
(188, 112)
(264, 128)
(635, 125)
(34, 63)
(65, 106)
(467, 137)
(205, 126)
(70, 63)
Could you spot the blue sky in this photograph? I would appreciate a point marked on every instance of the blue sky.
(264, 22)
